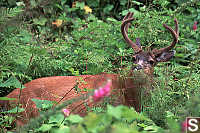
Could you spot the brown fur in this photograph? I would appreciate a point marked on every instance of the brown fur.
(55, 88)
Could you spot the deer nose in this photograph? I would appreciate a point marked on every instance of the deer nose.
(138, 67)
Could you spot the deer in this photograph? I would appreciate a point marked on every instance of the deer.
(61, 88)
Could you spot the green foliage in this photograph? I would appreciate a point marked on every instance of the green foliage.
(43, 104)
(14, 110)
(91, 43)
(6, 122)
(35, 123)
(191, 108)
(12, 82)
(171, 92)
(116, 119)
(7, 13)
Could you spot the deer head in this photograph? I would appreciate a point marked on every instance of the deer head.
(146, 60)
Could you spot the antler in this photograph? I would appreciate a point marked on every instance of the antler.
(128, 15)
(175, 35)
(124, 29)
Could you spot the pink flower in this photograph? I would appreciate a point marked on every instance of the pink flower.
(184, 126)
(102, 92)
(66, 112)
(195, 25)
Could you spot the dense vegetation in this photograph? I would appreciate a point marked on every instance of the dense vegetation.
(46, 38)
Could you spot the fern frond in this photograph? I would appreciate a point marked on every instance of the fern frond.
(8, 13)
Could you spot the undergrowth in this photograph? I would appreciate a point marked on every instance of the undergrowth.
(32, 47)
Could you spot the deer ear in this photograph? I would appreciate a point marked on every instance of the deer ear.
(138, 42)
(165, 56)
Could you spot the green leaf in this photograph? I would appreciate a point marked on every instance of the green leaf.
(165, 3)
(38, 51)
(7, 99)
(58, 118)
(25, 36)
(74, 118)
(137, 3)
(169, 114)
(116, 112)
(124, 12)
(80, 4)
(123, 2)
(78, 129)
(136, 13)
(45, 127)
(108, 8)
(63, 2)
(131, 114)
(143, 8)
(123, 128)
(173, 125)
(41, 21)
(59, 6)
(151, 128)
(92, 120)
(111, 19)
(92, 3)
(33, 3)
(14, 110)
(12, 82)
(43, 104)
(61, 129)
(91, 17)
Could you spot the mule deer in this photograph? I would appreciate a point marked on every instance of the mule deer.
(55, 88)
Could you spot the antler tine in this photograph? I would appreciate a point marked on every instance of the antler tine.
(175, 35)
(124, 28)
(128, 15)
(176, 26)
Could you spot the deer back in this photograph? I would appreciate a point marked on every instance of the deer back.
(58, 89)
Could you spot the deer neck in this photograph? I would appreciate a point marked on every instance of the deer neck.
(133, 86)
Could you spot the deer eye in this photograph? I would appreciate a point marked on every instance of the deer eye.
(151, 62)
(134, 58)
